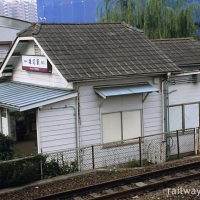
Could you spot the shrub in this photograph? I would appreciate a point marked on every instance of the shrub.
(6, 147)
(133, 163)
(20, 171)
(24, 170)
(51, 168)
(69, 167)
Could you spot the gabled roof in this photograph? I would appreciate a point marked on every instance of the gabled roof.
(99, 50)
(183, 51)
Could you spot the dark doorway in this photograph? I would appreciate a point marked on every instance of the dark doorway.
(23, 130)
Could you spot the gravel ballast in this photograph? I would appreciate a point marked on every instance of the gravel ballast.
(84, 179)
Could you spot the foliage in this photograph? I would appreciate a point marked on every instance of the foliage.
(6, 147)
(28, 169)
(133, 163)
(53, 168)
(158, 18)
(19, 171)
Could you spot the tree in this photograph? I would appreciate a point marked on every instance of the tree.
(158, 18)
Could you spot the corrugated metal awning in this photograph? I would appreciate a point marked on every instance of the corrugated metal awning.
(23, 97)
(125, 90)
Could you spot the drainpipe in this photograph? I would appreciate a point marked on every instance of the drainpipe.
(165, 89)
(77, 127)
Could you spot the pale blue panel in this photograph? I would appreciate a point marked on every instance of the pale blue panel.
(14, 94)
(125, 90)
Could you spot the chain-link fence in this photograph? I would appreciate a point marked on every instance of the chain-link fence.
(181, 143)
(141, 151)
(134, 152)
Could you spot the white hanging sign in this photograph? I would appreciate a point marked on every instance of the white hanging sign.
(35, 63)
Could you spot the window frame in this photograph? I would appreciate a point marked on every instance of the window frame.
(122, 141)
(183, 113)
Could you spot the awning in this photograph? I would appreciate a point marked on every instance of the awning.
(23, 97)
(125, 90)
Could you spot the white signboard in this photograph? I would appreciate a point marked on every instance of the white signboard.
(35, 63)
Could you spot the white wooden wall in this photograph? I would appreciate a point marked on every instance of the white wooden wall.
(57, 126)
(184, 93)
(90, 125)
(44, 79)
(153, 114)
(91, 107)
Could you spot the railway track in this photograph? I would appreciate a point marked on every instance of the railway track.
(131, 185)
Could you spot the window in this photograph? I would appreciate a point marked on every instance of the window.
(111, 127)
(175, 118)
(183, 116)
(191, 115)
(121, 126)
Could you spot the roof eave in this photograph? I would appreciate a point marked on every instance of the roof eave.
(38, 104)
(123, 76)
(47, 102)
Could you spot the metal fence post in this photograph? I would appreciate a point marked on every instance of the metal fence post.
(178, 147)
(198, 140)
(195, 141)
(140, 151)
(93, 164)
(41, 166)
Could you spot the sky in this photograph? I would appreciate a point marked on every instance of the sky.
(68, 10)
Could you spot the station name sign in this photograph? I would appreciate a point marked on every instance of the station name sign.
(35, 63)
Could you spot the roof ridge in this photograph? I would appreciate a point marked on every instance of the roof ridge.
(84, 23)
(172, 39)
(132, 27)
(36, 29)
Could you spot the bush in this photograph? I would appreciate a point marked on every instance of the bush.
(25, 170)
(133, 163)
(69, 167)
(52, 168)
(20, 171)
(6, 147)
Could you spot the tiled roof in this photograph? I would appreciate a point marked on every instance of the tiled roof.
(184, 52)
(99, 50)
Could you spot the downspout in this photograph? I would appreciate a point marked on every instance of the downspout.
(165, 93)
(165, 90)
(77, 127)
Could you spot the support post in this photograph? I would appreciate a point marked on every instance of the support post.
(195, 141)
(41, 166)
(140, 150)
(178, 147)
(93, 164)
